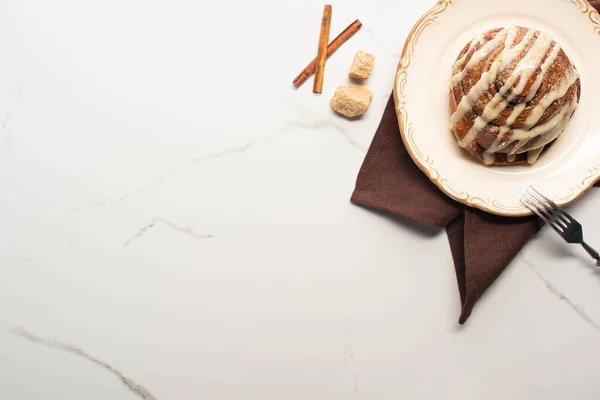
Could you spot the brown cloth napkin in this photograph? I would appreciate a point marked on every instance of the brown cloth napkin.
(482, 244)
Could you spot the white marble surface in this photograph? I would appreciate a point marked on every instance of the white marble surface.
(176, 224)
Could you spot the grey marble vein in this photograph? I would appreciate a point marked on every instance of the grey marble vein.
(348, 361)
(382, 48)
(70, 238)
(352, 143)
(71, 233)
(165, 177)
(392, 54)
(134, 387)
(6, 130)
(170, 225)
(290, 125)
(110, 201)
(312, 120)
(16, 94)
(212, 156)
(579, 310)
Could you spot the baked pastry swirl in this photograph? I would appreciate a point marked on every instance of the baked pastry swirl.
(513, 92)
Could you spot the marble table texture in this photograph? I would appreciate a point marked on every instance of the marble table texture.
(175, 222)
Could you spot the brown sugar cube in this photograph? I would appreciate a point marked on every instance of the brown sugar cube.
(362, 65)
(351, 100)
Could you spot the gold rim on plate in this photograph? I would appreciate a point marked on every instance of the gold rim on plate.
(426, 164)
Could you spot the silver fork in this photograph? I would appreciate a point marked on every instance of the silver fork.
(565, 225)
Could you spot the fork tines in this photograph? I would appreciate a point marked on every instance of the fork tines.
(565, 225)
(546, 209)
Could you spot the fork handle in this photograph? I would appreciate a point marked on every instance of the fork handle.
(595, 255)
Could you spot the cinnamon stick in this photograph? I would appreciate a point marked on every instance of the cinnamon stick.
(333, 46)
(322, 52)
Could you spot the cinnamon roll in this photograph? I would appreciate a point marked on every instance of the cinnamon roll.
(512, 94)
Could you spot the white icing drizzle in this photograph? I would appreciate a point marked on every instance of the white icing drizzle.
(563, 87)
(511, 157)
(488, 158)
(478, 40)
(517, 110)
(532, 155)
(523, 72)
(483, 52)
(530, 63)
(547, 131)
(497, 143)
(487, 78)
(538, 82)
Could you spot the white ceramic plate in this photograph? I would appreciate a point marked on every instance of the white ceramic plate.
(566, 170)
